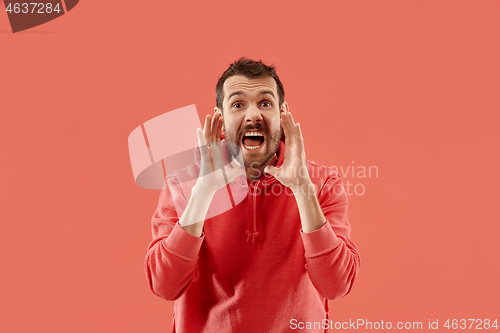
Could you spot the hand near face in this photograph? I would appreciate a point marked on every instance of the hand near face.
(214, 174)
(293, 172)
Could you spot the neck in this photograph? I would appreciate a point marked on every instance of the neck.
(255, 173)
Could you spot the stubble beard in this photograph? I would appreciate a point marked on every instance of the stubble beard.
(235, 146)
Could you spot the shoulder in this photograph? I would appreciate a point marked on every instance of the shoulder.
(184, 175)
(328, 183)
(330, 188)
(177, 188)
(321, 173)
(178, 184)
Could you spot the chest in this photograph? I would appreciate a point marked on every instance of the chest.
(262, 231)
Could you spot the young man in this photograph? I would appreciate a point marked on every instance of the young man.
(271, 262)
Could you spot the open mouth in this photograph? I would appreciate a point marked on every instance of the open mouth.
(253, 140)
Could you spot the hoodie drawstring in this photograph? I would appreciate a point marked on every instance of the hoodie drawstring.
(254, 215)
(254, 234)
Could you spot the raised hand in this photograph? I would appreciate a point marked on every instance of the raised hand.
(293, 172)
(215, 172)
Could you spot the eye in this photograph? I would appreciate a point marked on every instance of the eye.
(237, 105)
(266, 104)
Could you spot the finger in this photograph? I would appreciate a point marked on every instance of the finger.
(206, 152)
(291, 118)
(201, 142)
(286, 129)
(213, 128)
(272, 170)
(211, 158)
(300, 138)
(207, 129)
(219, 129)
(215, 125)
(292, 124)
(292, 128)
(298, 130)
(289, 122)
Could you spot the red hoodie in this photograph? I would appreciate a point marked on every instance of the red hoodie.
(253, 269)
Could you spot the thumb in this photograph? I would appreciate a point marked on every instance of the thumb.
(273, 171)
(201, 142)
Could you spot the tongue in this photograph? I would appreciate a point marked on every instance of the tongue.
(252, 141)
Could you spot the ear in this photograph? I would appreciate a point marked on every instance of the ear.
(216, 109)
(284, 107)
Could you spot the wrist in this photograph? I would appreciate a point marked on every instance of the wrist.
(304, 187)
(195, 229)
(200, 189)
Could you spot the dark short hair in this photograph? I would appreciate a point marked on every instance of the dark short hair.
(252, 70)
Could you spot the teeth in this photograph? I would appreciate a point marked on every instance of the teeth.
(253, 134)
(252, 147)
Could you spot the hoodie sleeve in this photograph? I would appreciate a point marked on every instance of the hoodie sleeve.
(171, 262)
(332, 259)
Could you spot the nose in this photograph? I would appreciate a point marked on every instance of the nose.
(253, 115)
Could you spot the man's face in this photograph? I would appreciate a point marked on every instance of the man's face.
(252, 118)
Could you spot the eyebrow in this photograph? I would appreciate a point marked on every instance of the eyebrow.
(264, 92)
